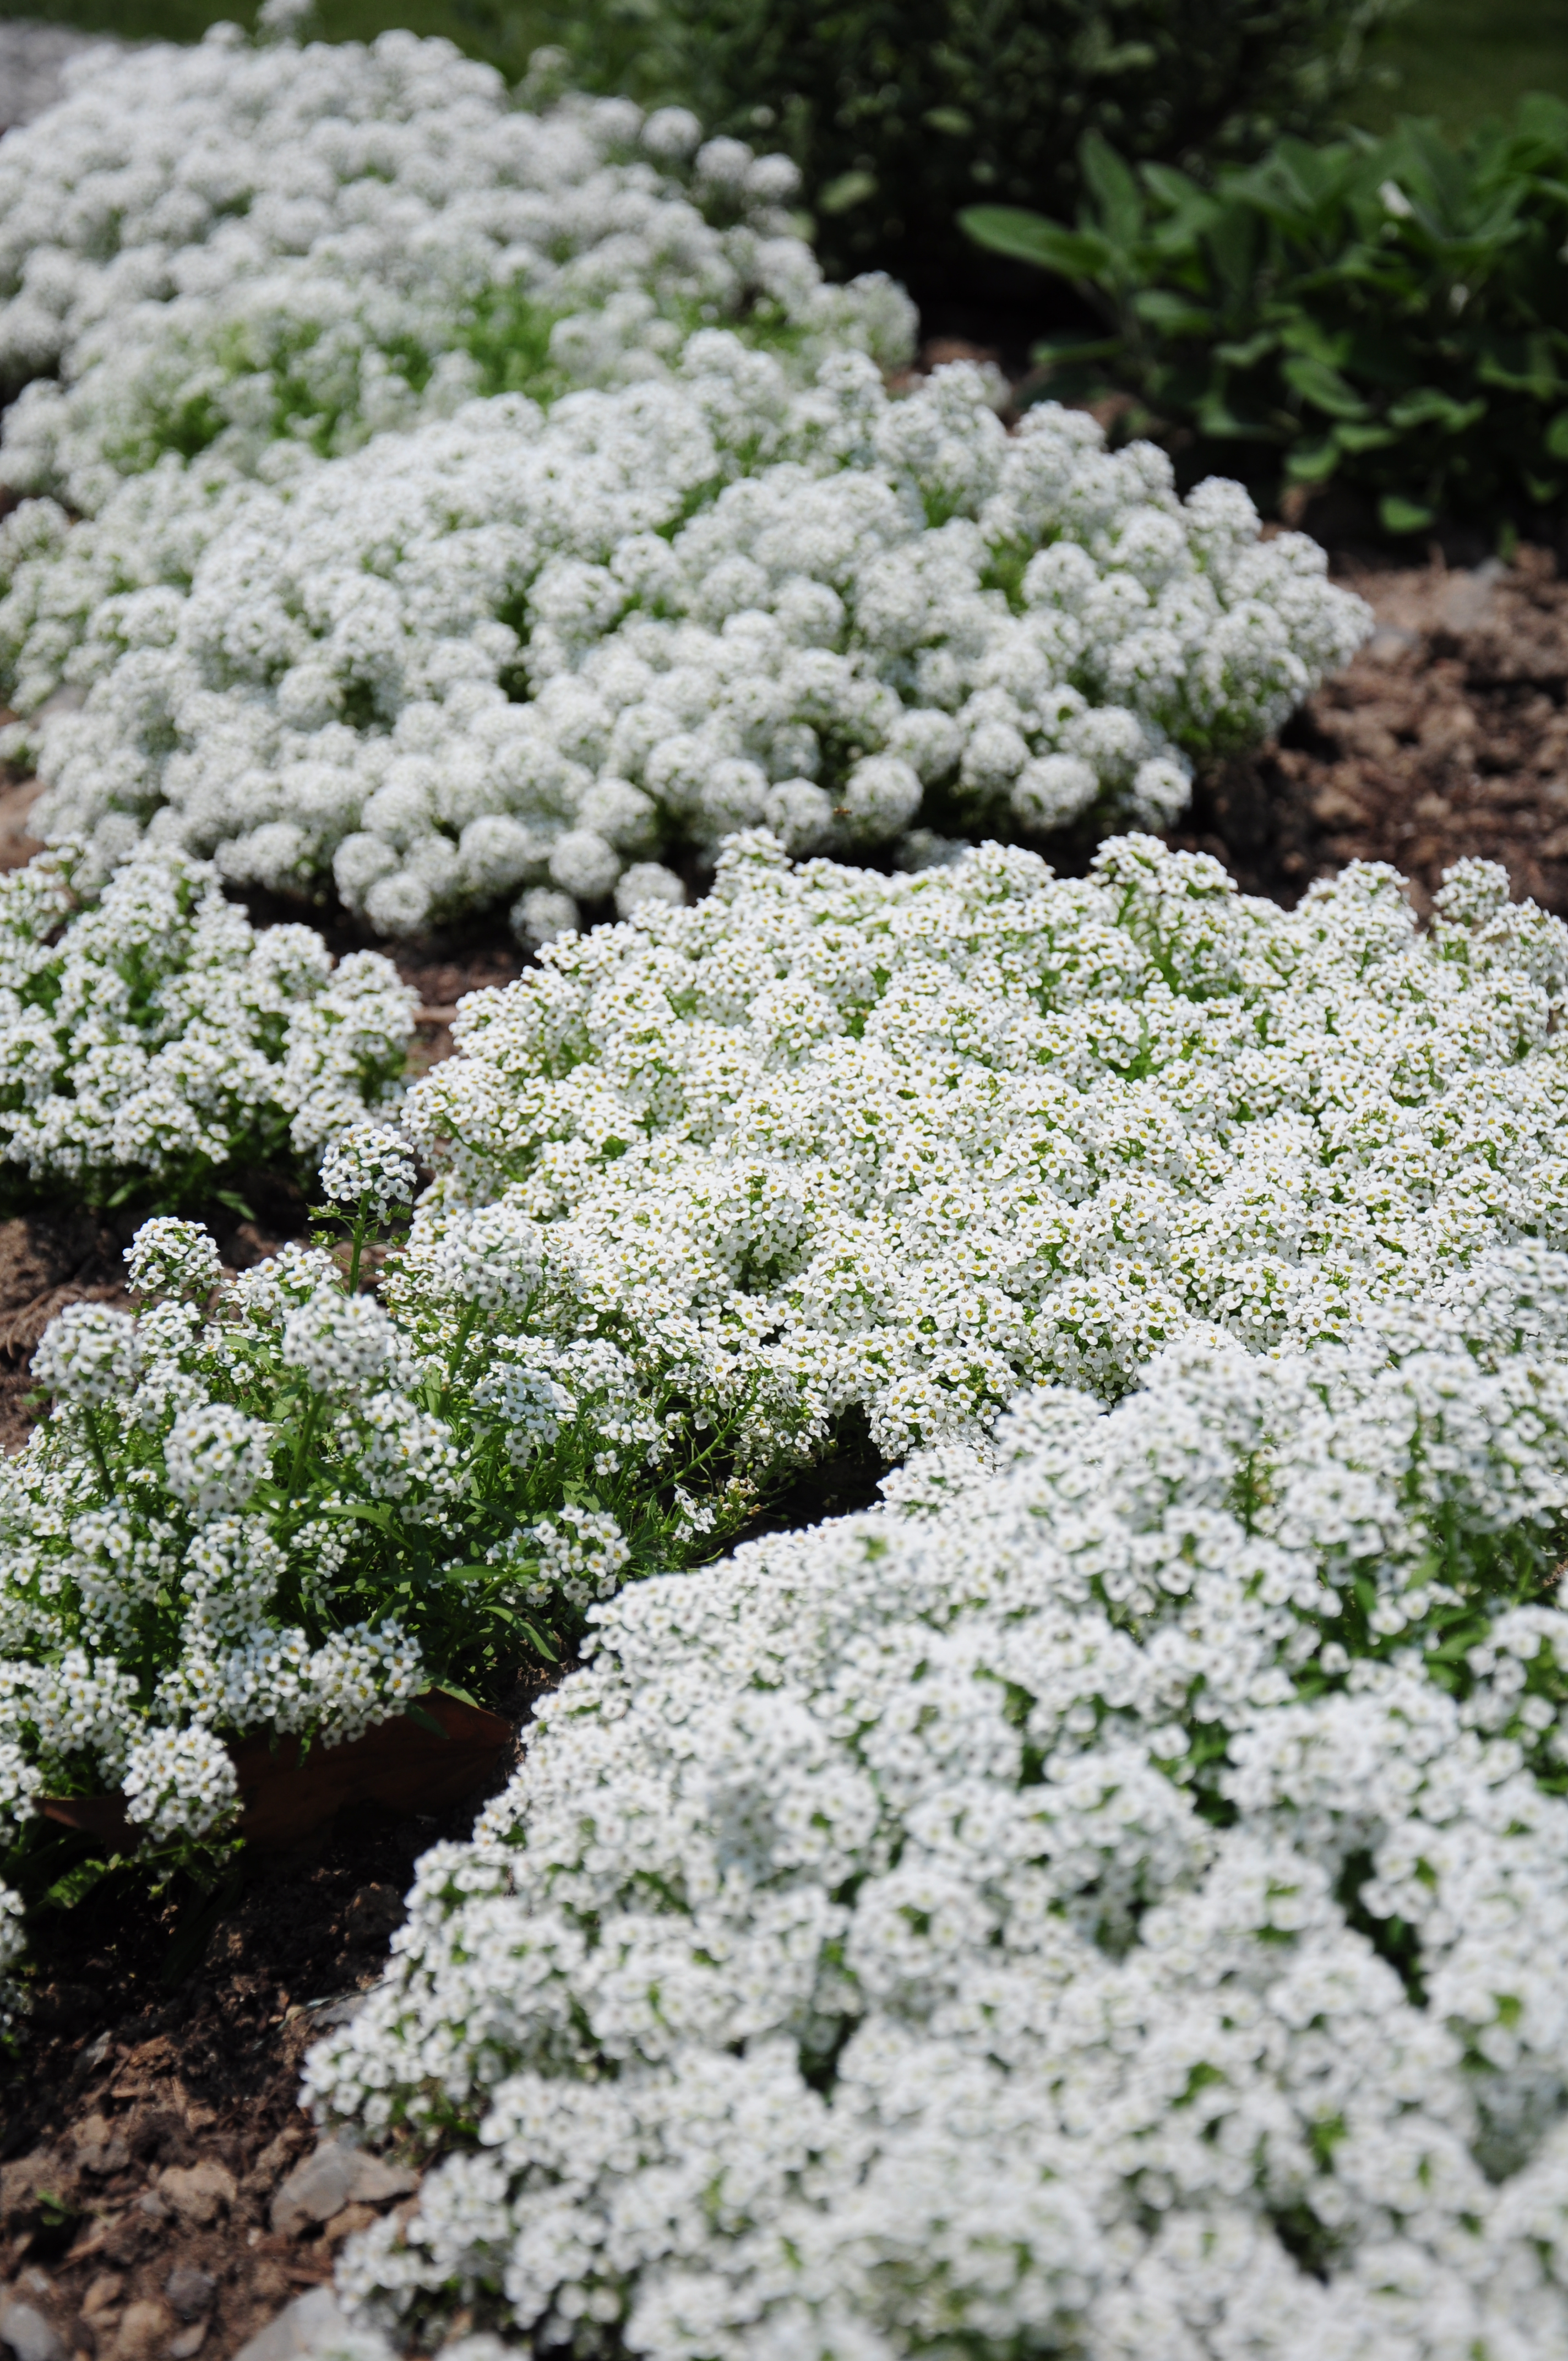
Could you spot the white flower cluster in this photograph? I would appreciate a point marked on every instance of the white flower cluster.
(503, 657)
(284, 248)
(582, 1553)
(273, 1504)
(1110, 1902)
(180, 1782)
(173, 1257)
(150, 1037)
(370, 1166)
(910, 1142)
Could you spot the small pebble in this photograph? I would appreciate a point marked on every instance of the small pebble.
(190, 2290)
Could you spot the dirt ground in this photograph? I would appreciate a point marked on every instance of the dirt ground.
(1446, 737)
(148, 2121)
(150, 2116)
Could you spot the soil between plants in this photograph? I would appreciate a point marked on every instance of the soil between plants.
(1446, 737)
(150, 2114)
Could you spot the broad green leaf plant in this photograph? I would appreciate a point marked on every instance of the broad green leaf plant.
(1386, 315)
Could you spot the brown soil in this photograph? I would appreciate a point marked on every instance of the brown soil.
(442, 976)
(1446, 737)
(150, 2110)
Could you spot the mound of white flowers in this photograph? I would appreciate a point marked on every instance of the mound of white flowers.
(913, 1141)
(501, 652)
(219, 246)
(152, 1040)
(273, 1503)
(1110, 1903)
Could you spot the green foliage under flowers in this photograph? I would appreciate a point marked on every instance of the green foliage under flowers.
(898, 112)
(1386, 315)
(272, 1506)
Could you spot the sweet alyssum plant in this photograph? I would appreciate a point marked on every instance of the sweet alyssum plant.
(269, 1504)
(249, 251)
(1108, 1903)
(903, 1144)
(519, 659)
(155, 1047)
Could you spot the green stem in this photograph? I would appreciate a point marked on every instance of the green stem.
(95, 1439)
(307, 1435)
(470, 1314)
(361, 1225)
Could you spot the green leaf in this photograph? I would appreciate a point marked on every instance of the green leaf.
(375, 1512)
(1354, 438)
(1556, 436)
(850, 189)
(1067, 352)
(1428, 407)
(542, 1644)
(1245, 355)
(1173, 315)
(235, 1205)
(1313, 463)
(1316, 382)
(1113, 189)
(1216, 417)
(1396, 514)
(1030, 237)
(76, 1885)
(426, 1721)
(952, 119)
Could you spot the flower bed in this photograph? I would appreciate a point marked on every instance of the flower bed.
(267, 1505)
(224, 247)
(913, 1142)
(154, 1046)
(501, 652)
(1111, 1901)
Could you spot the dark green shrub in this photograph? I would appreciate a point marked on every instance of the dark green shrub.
(1387, 314)
(899, 112)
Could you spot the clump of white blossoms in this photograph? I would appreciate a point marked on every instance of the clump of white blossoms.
(504, 656)
(902, 1144)
(151, 1039)
(273, 1504)
(243, 250)
(1110, 1902)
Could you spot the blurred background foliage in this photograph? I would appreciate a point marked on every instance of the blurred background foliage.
(905, 114)
(1151, 75)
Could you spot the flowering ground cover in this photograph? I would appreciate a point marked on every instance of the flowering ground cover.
(899, 1145)
(231, 247)
(1108, 1899)
(1110, 1902)
(154, 1046)
(504, 652)
(267, 1503)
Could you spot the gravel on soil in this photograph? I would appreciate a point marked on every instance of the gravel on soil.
(152, 2199)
